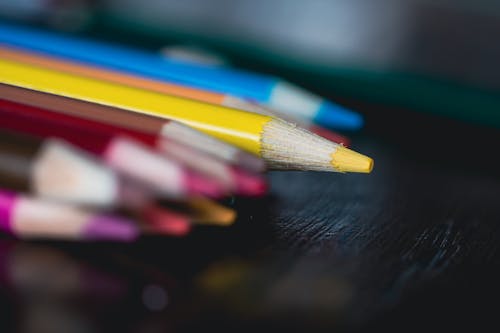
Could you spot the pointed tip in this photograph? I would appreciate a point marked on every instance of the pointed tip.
(209, 212)
(346, 160)
(335, 116)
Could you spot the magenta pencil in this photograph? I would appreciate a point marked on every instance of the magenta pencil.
(27, 217)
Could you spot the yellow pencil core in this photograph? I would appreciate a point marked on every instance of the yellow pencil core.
(346, 160)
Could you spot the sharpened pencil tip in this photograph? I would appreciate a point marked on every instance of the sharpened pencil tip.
(346, 160)
(211, 213)
(286, 146)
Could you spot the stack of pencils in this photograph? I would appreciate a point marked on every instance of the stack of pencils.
(104, 142)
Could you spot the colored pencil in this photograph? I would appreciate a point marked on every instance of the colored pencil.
(235, 180)
(94, 136)
(118, 152)
(199, 210)
(45, 168)
(27, 217)
(264, 89)
(25, 166)
(205, 211)
(72, 67)
(64, 65)
(208, 212)
(165, 131)
(280, 144)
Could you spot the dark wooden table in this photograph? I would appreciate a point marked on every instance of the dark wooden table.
(411, 247)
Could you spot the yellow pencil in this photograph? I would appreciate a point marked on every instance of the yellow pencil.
(282, 145)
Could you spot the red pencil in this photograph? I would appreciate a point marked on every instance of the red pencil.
(91, 134)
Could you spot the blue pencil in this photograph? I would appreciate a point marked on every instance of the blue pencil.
(264, 89)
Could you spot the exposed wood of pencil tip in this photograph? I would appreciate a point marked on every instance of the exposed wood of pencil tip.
(285, 146)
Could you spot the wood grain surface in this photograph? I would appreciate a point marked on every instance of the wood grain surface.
(411, 247)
